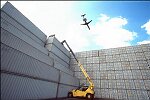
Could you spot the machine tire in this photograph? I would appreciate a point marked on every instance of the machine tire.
(70, 95)
(89, 96)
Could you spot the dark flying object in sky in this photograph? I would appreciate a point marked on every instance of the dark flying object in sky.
(85, 20)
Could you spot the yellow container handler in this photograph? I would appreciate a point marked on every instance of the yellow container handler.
(82, 91)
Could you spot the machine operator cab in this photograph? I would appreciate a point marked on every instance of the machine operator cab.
(82, 91)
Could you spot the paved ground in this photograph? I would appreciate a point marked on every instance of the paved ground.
(86, 99)
(82, 99)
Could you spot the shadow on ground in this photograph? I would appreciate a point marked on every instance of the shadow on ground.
(86, 99)
(81, 99)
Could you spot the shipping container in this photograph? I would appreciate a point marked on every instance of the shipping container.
(17, 88)
(25, 22)
(122, 94)
(68, 79)
(14, 61)
(62, 68)
(63, 90)
(36, 73)
(122, 50)
(139, 84)
(132, 95)
(142, 95)
(95, 53)
(120, 84)
(147, 84)
(53, 40)
(18, 44)
(146, 47)
(137, 49)
(83, 54)
(134, 65)
(88, 54)
(52, 48)
(8, 22)
(16, 32)
(147, 55)
(140, 56)
(143, 64)
(55, 57)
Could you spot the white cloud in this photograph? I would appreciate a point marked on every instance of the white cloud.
(144, 42)
(2, 3)
(146, 26)
(75, 36)
(59, 18)
(50, 16)
(103, 18)
(55, 17)
(109, 32)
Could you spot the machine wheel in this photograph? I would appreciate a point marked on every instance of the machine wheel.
(89, 96)
(70, 95)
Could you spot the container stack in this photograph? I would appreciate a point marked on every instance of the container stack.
(27, 69)
(117, 73)
(58, 51)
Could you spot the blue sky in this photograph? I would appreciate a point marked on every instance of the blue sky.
(137, 14)
(114, 23)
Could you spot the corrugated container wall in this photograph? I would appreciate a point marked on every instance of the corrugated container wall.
(27, 69)
(117, 73)
(58, 51)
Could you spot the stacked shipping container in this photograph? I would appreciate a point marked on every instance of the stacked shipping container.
(31, 71)
(119, 73)
(58, 51)
(27, 72)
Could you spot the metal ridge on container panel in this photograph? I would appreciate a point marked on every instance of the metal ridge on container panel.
(95, 53)
(130, 49)
(131, 56)
(11, 29)
(57, 52)
(147, 55)
(55, 57)
(53, 40)
(140, 56)
(122, 50)
(142, 95)
(114, 51)
(132, 94)
(64, 89)
(138, 48)
(16, 43)
(17, 62)
(148, 62)
(96, 59)
(123, 71)
(102, 52)
(88, 53)
(139, 84)
(147, 84)
(82, 54)
(25, 88)
(68, 79)
(62, 68)
(10, 21)
(18, 16)
(20, 46)
(146, 47)
(143, 64)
